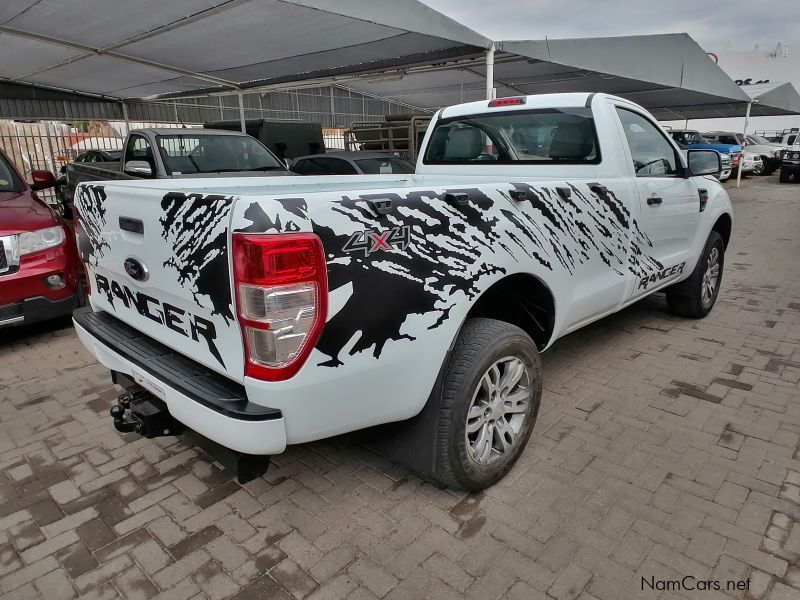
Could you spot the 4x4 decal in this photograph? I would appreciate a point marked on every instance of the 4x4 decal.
(371, 241)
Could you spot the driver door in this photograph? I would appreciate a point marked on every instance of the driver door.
(668, 202)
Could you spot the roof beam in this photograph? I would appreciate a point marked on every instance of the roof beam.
(89, 51)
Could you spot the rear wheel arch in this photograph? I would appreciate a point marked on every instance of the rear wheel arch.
(523, 300)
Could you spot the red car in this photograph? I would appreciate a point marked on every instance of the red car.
(38, 258)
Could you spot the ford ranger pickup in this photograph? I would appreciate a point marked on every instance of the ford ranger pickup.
(267, 312)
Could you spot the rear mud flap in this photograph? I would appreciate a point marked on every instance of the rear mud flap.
(412, 442)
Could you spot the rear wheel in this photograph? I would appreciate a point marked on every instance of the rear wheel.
(695, 296)
(490, 399)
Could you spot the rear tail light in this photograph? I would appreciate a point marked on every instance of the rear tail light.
(282, 295)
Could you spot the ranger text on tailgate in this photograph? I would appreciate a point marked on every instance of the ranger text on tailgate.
(267, 312)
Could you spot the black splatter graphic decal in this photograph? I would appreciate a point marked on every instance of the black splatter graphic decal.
(195, 226)
(452, 249)
(91, 218)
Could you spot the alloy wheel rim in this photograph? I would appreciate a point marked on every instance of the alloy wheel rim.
(497, 410)
(710, 277)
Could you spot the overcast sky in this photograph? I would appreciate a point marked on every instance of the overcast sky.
(715, 24)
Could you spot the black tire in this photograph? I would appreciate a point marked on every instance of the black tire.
(785, 176)
(481, 344)
(686, 298)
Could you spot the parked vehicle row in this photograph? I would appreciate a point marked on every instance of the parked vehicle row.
(276, 311)
(757, 154)
(790, 168)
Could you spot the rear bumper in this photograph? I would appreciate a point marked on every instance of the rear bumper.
(36, 309)
(204, 401)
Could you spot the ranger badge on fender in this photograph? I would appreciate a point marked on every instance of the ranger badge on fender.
(645, 281)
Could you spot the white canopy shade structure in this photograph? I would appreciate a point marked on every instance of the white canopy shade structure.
(668, 74)
(144, 48)
(773, 99)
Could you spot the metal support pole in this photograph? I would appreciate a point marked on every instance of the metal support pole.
(744, 141)
(221, 109)
(241, 111)
(333, 108)
(125, 117)
(490, 91)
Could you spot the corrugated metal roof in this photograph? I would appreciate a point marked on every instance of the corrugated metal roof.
(140, 48)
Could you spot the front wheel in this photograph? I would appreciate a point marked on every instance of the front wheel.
(695, 296)
(490, 399)
(785, 176)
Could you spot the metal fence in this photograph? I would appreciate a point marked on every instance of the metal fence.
(49, 145)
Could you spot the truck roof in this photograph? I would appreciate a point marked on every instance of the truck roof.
(190, 130)
(537, 101)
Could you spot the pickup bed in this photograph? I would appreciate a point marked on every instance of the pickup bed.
(267, 312)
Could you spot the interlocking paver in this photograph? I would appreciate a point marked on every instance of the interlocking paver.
(664, 448)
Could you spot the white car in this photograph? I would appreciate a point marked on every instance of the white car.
(752, 163)
(262, 312)
(769, 152)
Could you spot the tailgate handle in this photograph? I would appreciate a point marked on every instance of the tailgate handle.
(457, 198)
(653, 200)
(132, 225)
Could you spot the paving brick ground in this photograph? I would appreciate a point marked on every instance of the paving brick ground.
(665, 448)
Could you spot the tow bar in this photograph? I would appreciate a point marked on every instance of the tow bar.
(146, 415)
(139, 411)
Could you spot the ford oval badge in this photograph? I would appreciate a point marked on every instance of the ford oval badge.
(135, 269)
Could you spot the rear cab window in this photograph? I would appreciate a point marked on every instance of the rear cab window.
(385, 166)
(538, 136)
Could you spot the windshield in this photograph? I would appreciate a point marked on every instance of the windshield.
(209, 153)
(384, 166)
(565, 135)
(8, 182)
(757, 139)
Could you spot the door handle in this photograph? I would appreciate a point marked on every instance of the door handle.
(653, 200)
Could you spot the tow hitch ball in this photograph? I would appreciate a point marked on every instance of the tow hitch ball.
(138, 410)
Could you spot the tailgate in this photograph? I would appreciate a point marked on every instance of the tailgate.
(158, 261)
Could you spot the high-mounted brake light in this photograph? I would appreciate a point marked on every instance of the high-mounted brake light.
(507, 101)
(281, 298)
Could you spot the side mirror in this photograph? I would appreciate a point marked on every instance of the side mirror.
(138, 167)
(42, 180)
(703, 162)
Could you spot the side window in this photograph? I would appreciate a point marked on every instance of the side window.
(337, 166)
(300, 167)
(790, 141)
(653, 155)
(138, 148)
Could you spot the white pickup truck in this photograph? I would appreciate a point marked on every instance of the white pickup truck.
(267, 312)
